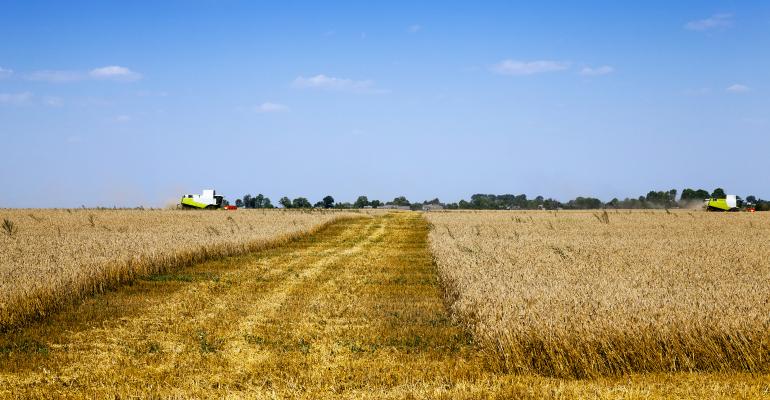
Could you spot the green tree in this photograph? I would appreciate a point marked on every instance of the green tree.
(400, 201)
(361, 202)
(718, 193)
(285, 202)
(301, 202)
(375, 203)
(328, 202)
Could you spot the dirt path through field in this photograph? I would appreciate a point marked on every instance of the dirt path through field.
(355, 310)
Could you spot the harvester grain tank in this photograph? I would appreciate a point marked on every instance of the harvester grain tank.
(208, 200)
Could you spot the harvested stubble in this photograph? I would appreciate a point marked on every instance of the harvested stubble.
(569, 294)
(55, 257)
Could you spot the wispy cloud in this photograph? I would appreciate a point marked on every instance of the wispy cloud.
(115, 72)
(15, 98)
(716, 21)
(738, 88)
(55, 76)
(514, 67)
(268, 107)
(123, 118)
(414, 28)
(5, 73)
(53, 101)
(112, 72)
(603, 70)
(324, 82)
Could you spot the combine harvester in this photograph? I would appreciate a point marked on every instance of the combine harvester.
(209, 200)
(730, 203)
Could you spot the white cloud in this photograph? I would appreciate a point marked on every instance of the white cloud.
(15, 98)
(603, 70)
(115, 72)
(123, 118)
(414, 28)
(715, 21)
(55, 76)
(324, 82)
(5, 73)
(269, 107)
(53, 101)
(513, 67)
(738, 88)
(112, 72)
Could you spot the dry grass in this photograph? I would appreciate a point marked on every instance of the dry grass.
(49, 258)
(581, 294)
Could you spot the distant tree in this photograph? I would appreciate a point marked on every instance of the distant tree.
(256, 201)
(247, 201)
(361, 202)
(718, 193)
(375, 203)
(551, 204)
(701, 194)
(266, 203)
(301, 202)
(751, 199)
(285, 202)
(346, 205)
(400, 201)
(239, 203)
(661, 199)
(318, 204)
(435, 201)
(452, 206)
(328, 202)
(584, 203)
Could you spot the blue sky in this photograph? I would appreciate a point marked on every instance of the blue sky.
(138, 102)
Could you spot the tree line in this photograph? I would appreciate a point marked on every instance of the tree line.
(653, 200)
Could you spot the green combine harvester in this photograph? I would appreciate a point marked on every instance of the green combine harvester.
(209, 200)
(730, 203)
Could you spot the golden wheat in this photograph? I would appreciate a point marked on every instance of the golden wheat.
(576, 294)
(51, 257)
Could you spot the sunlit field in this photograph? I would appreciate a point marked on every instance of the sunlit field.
(585, 294)
(52, 257)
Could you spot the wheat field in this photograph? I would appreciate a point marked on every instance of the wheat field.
(584, 294)
(50, 258)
